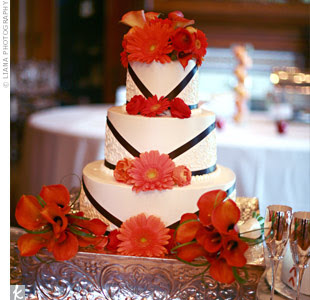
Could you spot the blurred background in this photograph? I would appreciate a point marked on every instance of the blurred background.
(67, 52)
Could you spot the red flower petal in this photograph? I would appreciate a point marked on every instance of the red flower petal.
(56, 194)
(234, 250)
(178, 19)
(221, 271)
(210, 240)
(135, 105)
(172, 242)
(113, 240)
(183, 40)
(190, 252)
(187, 229)
(28, 213)
(151, 15)
(182, 176)
(207, 202)
(67, 248)
(29, 244)
(179, 109)
(184, 58)
(225, 216)
(154, 107)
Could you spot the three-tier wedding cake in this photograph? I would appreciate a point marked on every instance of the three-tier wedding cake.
(160, 147)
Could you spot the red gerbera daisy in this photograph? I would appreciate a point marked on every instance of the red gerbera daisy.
(149, 43)
(154, 107)
(152, 171)
(200, 48)
(143, 236)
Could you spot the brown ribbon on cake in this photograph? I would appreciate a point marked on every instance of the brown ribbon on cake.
(99, 208)
(174, 93)
(117, 222)
(177, 152)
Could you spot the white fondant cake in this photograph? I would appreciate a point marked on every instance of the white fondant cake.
(288, 275)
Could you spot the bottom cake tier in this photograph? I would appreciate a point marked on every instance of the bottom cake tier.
(116, 202)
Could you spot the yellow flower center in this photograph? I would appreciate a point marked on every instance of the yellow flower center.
(143, 240)
(155, 107)
(151, 173)
(198, 44)
(153, 47)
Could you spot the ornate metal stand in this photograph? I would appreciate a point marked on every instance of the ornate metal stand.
(95, 276)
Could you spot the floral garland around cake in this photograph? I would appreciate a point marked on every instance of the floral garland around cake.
(153, 107)
(155, 37)
(151, 171)
(210, 239)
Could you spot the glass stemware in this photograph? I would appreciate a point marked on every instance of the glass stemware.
(276, 233)
(300, 244)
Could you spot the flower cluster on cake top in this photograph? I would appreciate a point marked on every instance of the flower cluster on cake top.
(155, 37)
(211, 235)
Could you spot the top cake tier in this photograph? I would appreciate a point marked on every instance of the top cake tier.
(168, 80)
(162, 54)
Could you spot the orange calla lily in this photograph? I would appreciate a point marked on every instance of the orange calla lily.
(178, 19)
(210, 240)
(189, 225)
(206, 204)
(191, 251)
(66, 247)
(54, 215)
(29, 244)
(221, 271)
(234, 250)
(56, 194)
(134, 18)
(28, 213)
(151, 15)
(225, 216)
(94, 226)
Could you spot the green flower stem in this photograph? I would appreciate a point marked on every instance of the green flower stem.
(44, 230)
(80, 233)
(41, 201)
(192, 264)
(77, 217)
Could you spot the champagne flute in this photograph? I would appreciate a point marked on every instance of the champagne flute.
(300, 244)
(276, 233)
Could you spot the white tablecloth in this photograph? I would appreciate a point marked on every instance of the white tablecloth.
(275, 168)
(61, 141)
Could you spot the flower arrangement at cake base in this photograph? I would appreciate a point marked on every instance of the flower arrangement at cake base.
(66, 254)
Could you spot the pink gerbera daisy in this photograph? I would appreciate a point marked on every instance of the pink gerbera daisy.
(143, 236)
(152, 171)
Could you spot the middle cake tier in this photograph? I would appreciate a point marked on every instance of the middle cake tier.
(190, 142)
